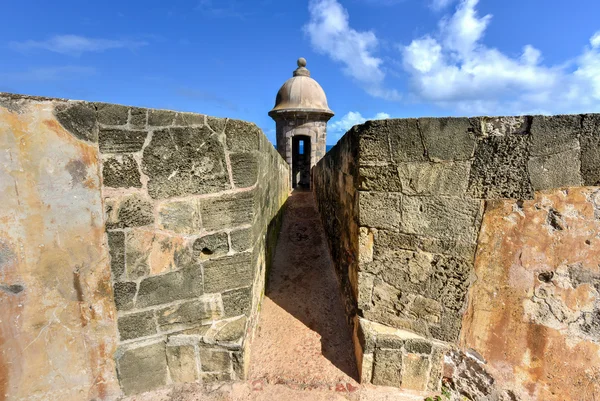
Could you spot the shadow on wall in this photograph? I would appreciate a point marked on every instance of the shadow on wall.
(302, 280)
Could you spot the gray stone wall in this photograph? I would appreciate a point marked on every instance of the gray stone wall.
(414, 200)
(191, 208)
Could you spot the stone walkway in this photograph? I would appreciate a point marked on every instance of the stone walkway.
(302, 350)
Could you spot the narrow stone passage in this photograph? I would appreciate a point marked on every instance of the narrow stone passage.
(302, 338)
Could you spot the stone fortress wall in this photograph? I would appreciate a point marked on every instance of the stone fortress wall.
(467, 253)
(133, 247)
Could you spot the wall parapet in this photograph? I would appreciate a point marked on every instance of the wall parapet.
(410, 199)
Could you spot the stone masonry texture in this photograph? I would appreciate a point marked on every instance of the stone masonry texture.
(150, 250)
(403, 202)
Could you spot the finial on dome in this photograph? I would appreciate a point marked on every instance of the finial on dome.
(301, 70)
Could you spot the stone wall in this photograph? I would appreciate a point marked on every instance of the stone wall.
(427, 271)
(143, 234)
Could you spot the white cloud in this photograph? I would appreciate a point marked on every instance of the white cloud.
(455, 69)
(352, 118)
(76, 44)
(440, 4)
(330, 33)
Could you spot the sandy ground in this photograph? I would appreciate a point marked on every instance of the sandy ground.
(302, 349)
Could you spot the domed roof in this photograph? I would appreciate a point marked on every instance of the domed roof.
(301, 93)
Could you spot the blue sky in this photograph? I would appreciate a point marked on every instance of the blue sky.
(374, 58)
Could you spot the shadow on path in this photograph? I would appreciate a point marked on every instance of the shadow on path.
(303, 336)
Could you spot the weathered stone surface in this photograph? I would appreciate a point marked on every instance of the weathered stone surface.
(173, 286)
(389, 341)
(555, 171)
(142, 369)
(423, 178)
(124, 294)
(180, 216)
(189, 119)
(387, 368)
(237, 302)
(112, 114)
(57, 317)
(232, 331)
(211, 246)
(182, 363)
(116, 246)
(241, 240)
(138, 117)
(121, 171)
(129, 211)
(215, 360)
(242, 136)
(447, 138)
(227, 211)
(201, 311)
(415, 372)
(185, 161)
(79, 118)
(137, 325)
(379, 210)
(244, 167)
(217, 124)
(499, 169)
(418, 346)
(151, 253)
(115, 140)
(590, 149)
(160, 118)
(228, 273)
(527, 295)
(405, 140)
(554, 134)
(379, 178)
(441, 217)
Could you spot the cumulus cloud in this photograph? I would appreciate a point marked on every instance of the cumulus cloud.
(76, 44)
(339, 127)
(454, 68)
(330, 33)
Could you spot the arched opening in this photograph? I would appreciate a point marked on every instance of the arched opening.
(301, 151)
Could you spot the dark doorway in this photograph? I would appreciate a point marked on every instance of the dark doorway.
(301, 151)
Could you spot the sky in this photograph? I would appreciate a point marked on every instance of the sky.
(374, 58)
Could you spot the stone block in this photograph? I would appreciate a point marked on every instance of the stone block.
(244, 168)
(415, 373)
(142, 369)
(79, 118)
(365, 245)
(425, 310)
(379, 210)
(189, 119)
(138, 117)
(136, 325)
(242, 136)
(124, 294)
(217, 124)
(232, 332)
(201, 311)
(237, 302)
(365, 290)
(227, 211)
(437, 367)
(185, 161)
(169, 287)
(555, 171)
(121, 171)
(590, 149)
(499, 169)
(384, 241)
(448, 138)
(112, 114)
(387, 368)
(450, 282)
(211, 246)
(441, 217)
(129, 211)
(424, 178)
(379, 178)
(406, 141)
(151, 253)
(215, 360)
(366, 372)
(241, 240)
(554, 134)
(215, 377)
(160, 118)
(372, 141)
(182, 363)
(389, 341)
(418, 346)
(240, 365)
(116, 246)
(449, 327)
(182, 216)
(502, 126)
(115, 140)
(228, 273)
